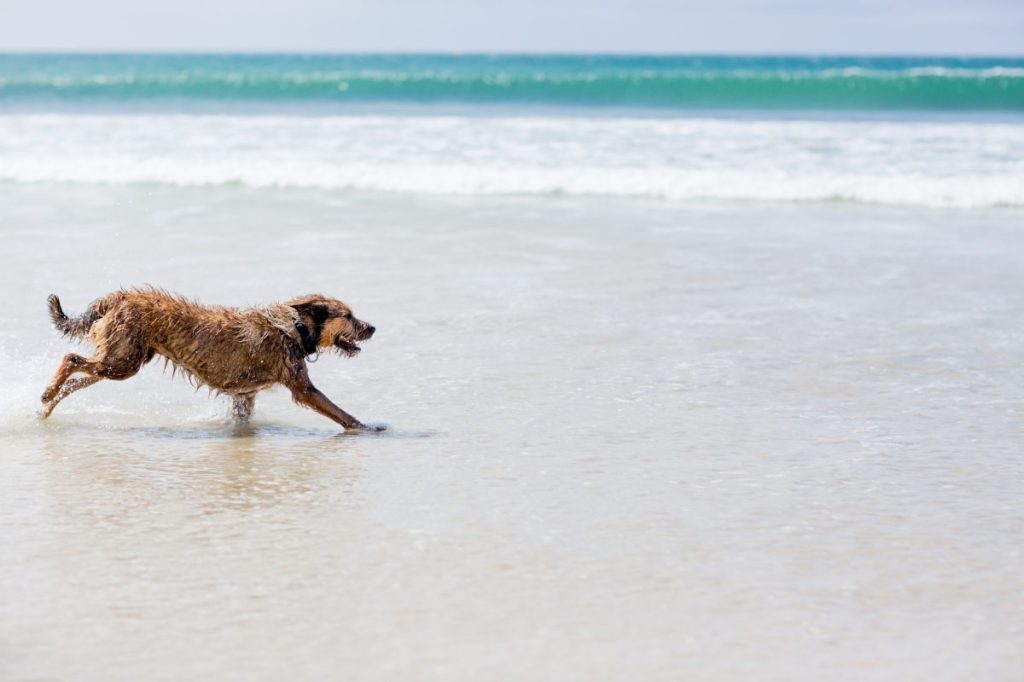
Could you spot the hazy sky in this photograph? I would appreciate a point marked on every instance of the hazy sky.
(786, 26)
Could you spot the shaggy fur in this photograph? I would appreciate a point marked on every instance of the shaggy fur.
(234, 351)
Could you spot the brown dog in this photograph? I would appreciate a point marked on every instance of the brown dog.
(234, 351)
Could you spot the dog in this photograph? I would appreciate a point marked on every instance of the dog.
(237, 352)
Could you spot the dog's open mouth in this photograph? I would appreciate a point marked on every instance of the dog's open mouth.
(346, 346)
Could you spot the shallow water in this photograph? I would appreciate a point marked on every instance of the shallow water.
(627, 440)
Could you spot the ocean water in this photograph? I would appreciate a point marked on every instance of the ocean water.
(703, 368)
(918, 132)
(669, 82)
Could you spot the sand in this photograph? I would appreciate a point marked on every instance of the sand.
(627, 440)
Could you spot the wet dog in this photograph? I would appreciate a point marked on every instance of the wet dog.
(238, 352)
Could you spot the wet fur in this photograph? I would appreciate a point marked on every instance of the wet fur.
(229, 350)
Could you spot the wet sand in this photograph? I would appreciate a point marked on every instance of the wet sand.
(627, 440)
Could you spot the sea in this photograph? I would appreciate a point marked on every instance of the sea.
(926, 132)
(692, 367)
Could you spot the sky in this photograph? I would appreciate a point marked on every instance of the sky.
(947, 27)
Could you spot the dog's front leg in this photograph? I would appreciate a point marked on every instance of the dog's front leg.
(242, 406)
(307, 395)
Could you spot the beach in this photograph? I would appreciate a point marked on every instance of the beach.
(669, 394)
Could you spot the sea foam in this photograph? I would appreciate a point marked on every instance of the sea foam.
(951, 164)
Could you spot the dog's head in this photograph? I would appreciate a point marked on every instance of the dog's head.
(327, 323)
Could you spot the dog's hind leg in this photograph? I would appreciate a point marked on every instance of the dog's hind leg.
(71, 363)
(242, 406)
(67, 389)
(96, 369)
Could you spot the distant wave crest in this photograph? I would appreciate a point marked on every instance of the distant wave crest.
(848, 87)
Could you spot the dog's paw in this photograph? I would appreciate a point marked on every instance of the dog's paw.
(370, 428)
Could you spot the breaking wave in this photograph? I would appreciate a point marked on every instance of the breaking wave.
(908, 163)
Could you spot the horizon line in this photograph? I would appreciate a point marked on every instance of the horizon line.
(499, 53)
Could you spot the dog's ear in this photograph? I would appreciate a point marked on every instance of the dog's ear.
(312, 307)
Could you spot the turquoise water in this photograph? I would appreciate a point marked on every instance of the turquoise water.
(659, 82)
(930, 132)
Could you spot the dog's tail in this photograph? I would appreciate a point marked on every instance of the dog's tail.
(75, 327)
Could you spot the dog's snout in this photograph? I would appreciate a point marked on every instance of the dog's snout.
(370, 329)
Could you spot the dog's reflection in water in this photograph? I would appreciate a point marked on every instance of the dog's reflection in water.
(114, 474)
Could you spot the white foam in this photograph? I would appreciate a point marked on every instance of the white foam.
(908, 163)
